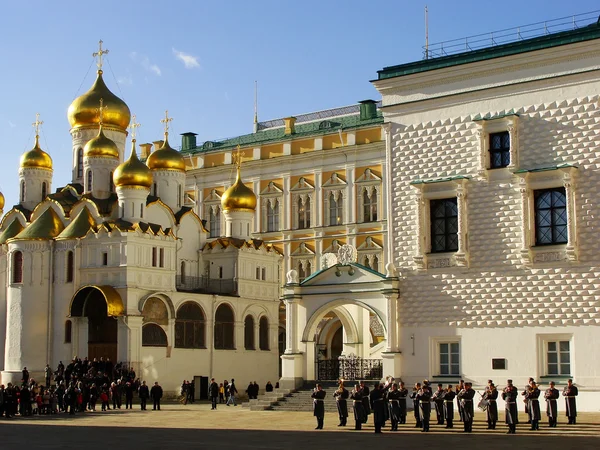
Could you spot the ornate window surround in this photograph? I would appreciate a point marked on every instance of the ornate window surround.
(368, 182)
(544, 178)
(303, 256)
(494, 124)
(370, 249)
(272, 196)
(302, 191)
(336, 185)
(213, 203)
(439, 189)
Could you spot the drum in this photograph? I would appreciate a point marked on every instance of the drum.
(483, 404)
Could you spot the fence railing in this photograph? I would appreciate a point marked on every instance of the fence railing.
(350, 368)
(205, 285)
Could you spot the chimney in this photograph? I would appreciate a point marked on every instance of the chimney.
(368, 109)
(145, 150)
(188, 141)
(290, 125)
(158, 144)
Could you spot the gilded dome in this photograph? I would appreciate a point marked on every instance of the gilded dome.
(133, 172)
(36, 157)
(101, 146)
(84, 109)
(1, 201)
(238, 197)
(166, 158)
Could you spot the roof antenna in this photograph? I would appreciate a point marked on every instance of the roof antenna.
(426, 33)
(255, 106)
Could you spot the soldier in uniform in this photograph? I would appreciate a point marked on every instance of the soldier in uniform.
(509, 395)
(394, 406)
(403, 393)
(460, 387)
(318, 406)
(341, 400)
(365, 399)
(526, 401)
(416, 409)
(424, 396)
(378, 407)
(465, 397)
(551, 396)
(532, 396)
(357, 405)
(449, 396)
(491, 395)
(569, 393)
(438, 400)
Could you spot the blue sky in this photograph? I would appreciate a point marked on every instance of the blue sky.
(199, 60)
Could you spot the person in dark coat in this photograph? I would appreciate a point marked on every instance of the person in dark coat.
(364, 390)
(128, 395)
(416, 409)
(394, 406)
(358, 408)
(25, 376)
(570, 392)
(378, 407)
(143, 393)
(318, 397)
(269, 387)
(213, 393)
(449, 396)
(551, 396)
(438, 401)
(341, 401)
(532, 396)
(156, 393)
(403, 394)
(460, 387)
(509, 395)
(491, 395)
(465, 397)
(424, 397)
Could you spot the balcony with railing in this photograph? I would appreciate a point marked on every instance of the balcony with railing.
(205, 285)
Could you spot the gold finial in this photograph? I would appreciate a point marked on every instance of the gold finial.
(238, 156)
(99, 54)
(100, 112)
(133, 126)
(37, 123)
(166, 121)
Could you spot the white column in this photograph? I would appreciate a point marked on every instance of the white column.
(350, 197)
(514, 146)
(571, 250)
(285, 207)
(392, 325)
(525, 255)
(318, 208)
(461, 254)
(291, 321)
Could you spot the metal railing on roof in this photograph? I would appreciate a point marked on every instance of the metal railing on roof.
(509, 35)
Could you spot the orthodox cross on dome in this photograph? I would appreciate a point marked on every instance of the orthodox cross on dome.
(99, 54)
(133, 126)
(100, 111)
(237, 157)
(166, 121)
(37, 123)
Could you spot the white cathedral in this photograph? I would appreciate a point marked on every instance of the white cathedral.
(113, 264)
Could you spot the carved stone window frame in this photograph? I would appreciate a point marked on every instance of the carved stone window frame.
(538, 179)
(301, 258)
(213, 203)
(368, 182)
(271, 196)
(435, 190)
(370, 250)
(492, 125)
(302, 191)
(337, 186)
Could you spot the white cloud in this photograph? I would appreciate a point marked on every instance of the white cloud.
(144, 61)
(11, 124)
(125, 80)
(188, 61)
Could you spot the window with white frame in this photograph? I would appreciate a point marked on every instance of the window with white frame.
(368, 193)
(304, 268)
(498, 141)
(549, 231)
(212, 212)
(303, 215)
(555, 355)
(336, 208)
(271, 200)
(303, 261)
(449, 358)
(302, 204)
(334, 197)
(272, 214)
(370, 253)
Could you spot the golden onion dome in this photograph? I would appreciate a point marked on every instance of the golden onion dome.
(36, 157)
(1, 201)
(166, 158)
(101, 146)
(84, 109)
(133, 172)
(238, 197)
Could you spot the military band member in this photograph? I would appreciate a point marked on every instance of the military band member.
(394, 406)
(378, 407)
(465, 397)
(460, 387)
(416, 409)
(449, 396)
(438, 400)
(318, 397)
(341, 397)
(532, 396)
(569, 393)
(358, 408)
(402, 402)
(365, 399)
(491, 395)
(551, 396)
(526, 401)
(424, 395)
(509, 395)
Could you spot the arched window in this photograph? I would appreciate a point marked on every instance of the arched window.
(215, 222)
(273, 215)
(182, 272)
(17, 267)
(70, 266)
(68, 331)
(111, 183)
(370, 206)
(189, 326)
(153, 336)
(375, 265)
(22, 191)
(79, 163)
(89, 181)
(304, 213)
(224, 328)
(249, 333)
(263, 333)
(44, 190)
(335, 209)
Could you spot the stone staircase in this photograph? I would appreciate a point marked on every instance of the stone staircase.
(293, 400)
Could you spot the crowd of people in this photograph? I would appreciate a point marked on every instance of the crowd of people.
(388, 401)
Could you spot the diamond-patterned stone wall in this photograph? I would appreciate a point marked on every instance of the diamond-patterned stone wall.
(497, 290)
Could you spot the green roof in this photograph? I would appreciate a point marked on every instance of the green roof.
(513, 48)
(546, 169)
(273, 135)
(440, 180)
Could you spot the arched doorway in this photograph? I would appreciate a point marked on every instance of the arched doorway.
(101, 305)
